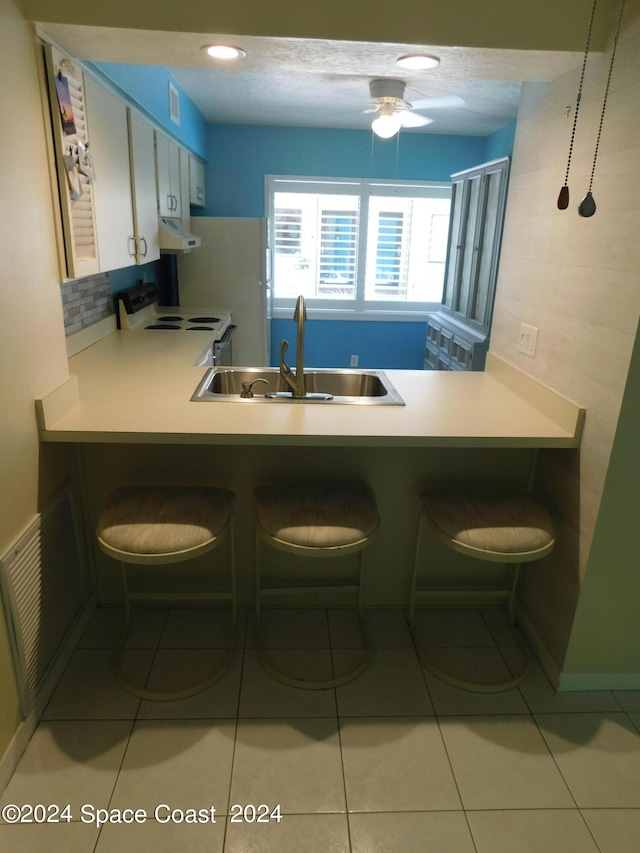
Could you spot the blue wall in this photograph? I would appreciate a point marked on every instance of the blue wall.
(239, 156)
(331, 343)
(500, 143)
(147, 86)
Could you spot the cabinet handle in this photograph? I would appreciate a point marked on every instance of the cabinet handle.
(132, 240)
(143, 242)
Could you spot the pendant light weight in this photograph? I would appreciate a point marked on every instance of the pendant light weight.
(587, 206)
(563, 198)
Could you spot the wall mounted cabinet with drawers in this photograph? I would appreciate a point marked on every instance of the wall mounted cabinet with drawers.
(458, 334)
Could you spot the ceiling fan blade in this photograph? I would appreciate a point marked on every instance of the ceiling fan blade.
(408, 119)
(443, 102)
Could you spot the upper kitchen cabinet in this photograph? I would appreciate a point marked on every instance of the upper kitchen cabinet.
(143, 186)
(122, 142)
(107, 118)
(185, 210)
(169, 190)
(458, 334)
(196, 182)
(65, 85)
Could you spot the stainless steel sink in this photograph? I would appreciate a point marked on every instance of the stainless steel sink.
(354, 387)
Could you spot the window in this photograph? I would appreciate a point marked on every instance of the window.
(358, 245)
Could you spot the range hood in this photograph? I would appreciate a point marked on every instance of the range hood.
(174, 238)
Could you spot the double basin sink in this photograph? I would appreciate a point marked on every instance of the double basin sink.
(264, 384)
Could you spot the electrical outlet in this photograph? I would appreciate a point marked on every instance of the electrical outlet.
(528, 339)
(354, 360)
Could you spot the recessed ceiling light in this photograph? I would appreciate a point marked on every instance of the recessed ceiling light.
(418, 61)
(225, 51)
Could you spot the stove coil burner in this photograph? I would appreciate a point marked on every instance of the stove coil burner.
(175, 319)
(163, 326)
(199, 329)
(204, 319)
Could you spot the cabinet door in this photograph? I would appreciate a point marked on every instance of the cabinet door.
(196, 182)
(471, 221)
(493, 193)
(454, 247)
(475, 234)
(143, 185)
(77, 207)
(168, 176)
(107, 121)
(183, 188)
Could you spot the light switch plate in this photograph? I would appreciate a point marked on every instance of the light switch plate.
(528, 339)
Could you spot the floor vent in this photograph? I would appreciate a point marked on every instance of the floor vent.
(44, 592)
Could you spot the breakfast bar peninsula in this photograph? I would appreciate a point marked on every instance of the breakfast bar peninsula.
(127, 407)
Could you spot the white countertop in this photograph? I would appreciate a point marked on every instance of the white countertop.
(135, 387)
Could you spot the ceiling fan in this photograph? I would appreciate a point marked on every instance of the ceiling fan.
(394, 112)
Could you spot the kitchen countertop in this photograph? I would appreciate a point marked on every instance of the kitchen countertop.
(135, 387)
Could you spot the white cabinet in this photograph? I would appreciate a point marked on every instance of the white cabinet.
(183, 204)
(108, 132)
(196, 182)
(126, 216)
(143, 186)
(168, 177)
(65, 83)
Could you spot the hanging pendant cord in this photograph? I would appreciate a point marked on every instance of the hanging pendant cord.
(606, 93)
(579, 96)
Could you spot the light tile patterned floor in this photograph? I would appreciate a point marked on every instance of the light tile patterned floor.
(396, 761)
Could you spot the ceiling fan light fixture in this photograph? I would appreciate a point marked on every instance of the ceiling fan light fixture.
(418, 61)
(387, 124)
(225, 51)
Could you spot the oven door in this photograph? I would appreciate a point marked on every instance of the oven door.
(221, 350)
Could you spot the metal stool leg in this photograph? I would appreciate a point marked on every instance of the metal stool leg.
(172, 695)
(302, 683)
(445, 676)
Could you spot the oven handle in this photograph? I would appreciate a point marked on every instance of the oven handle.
(221, 350)
(226, 337)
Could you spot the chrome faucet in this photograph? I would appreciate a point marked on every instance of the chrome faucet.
(296, 383)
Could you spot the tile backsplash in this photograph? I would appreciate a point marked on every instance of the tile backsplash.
(86, 301)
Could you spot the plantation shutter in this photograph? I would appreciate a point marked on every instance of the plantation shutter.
(389, 247)
(338, 250)
(74, 167)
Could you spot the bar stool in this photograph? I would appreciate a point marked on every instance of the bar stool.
(320, 520)
(498, 525)
(159, 525)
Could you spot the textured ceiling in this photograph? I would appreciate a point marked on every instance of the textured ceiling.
(321, 83)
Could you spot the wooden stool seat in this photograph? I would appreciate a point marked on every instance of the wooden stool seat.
(497, 525)
(157, 525)
(317, 519)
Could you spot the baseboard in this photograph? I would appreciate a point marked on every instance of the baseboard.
(573, 682)
(547, 662)
(570, 681)
(27, 727)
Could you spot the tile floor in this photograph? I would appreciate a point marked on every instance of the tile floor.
(396, 761)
